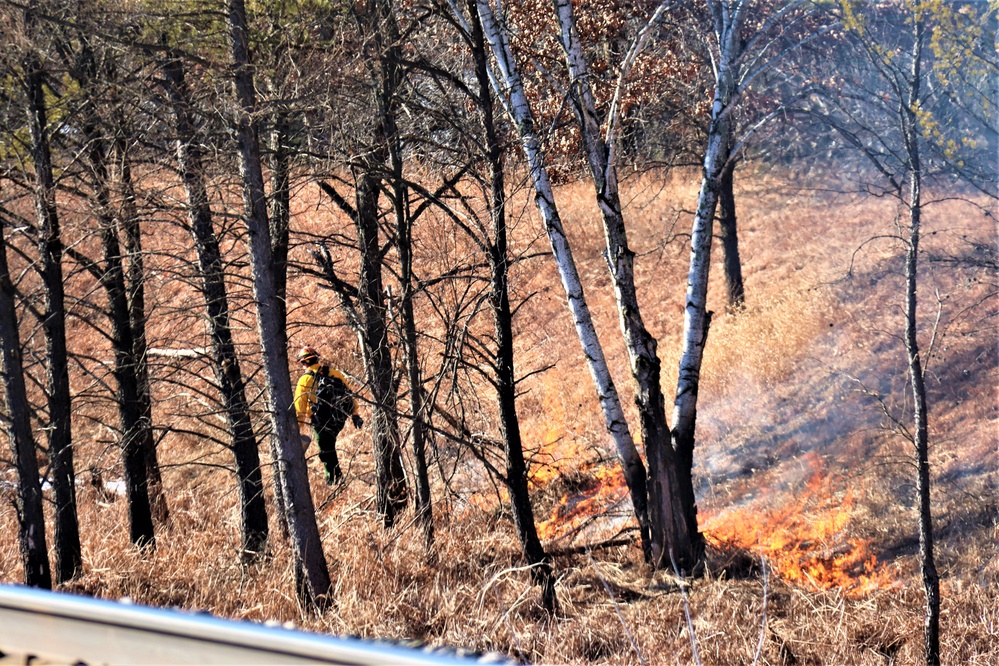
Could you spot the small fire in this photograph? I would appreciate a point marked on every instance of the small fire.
(605, 488)
(802, 538)
(803, 541)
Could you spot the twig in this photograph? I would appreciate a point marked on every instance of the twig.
(510, 628)
(617, 610)
(495, 578)
(686, 611)
(763, 628)
(586, 548)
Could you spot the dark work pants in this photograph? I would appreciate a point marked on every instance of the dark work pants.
(326, 441)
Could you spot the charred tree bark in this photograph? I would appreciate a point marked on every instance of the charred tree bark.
(931, 578)
(225, 362)
(30, 517)
(281, 209)
(135, 284)
(314, 586)
(730, 239)
(499, 300)
(404, 244)
(68, 554)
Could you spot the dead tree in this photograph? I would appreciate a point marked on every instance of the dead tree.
(68, 554)
(135, 276)
(418, 433)
(132, 408)
(30, 518)
(225, 362)
(369, 317)
(312, 572)
(497, 253)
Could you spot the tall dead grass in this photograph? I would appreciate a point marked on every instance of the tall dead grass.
(791, 378)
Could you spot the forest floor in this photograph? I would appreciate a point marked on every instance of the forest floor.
(804, 477)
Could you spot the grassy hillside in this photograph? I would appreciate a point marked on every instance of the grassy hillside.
(805, 484)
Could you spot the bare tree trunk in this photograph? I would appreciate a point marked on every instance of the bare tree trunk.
(68, 554)
(135, 283)
(696, 318)
(404, 243)
(280, 219)
(499, 300)
(131, 408)
(730, 239)
(390, 480)
(313, 582)
(225, 362)
(30, 517)
(280, 226)
(520, 112)
(385, 77)
(280, 210)
(931, 578)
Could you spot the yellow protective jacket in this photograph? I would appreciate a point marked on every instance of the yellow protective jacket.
(305, 392)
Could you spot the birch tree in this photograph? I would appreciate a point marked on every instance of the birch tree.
(671, 531)
(729, 17)
(911, 133)
(510, 89)
(740, 56)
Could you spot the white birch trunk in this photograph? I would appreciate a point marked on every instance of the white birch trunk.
(516, 103)
(672, 514)
(729, 17)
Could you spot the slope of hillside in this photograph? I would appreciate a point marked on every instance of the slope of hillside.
(804, 479)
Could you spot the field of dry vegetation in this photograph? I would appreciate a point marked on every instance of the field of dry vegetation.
(805, 486)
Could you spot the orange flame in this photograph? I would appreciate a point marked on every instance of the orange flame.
(803, 541)
(604, 489)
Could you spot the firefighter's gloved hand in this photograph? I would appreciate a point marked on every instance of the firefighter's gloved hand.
(306, 440)
(357, 421)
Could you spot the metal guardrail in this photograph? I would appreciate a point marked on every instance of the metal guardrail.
(62, 628)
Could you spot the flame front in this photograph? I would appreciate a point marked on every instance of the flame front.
(606, 489)
(802, 540)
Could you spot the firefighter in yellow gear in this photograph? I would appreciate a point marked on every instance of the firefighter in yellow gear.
(329, 417)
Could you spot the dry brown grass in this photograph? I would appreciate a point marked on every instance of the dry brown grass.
(783, 398)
